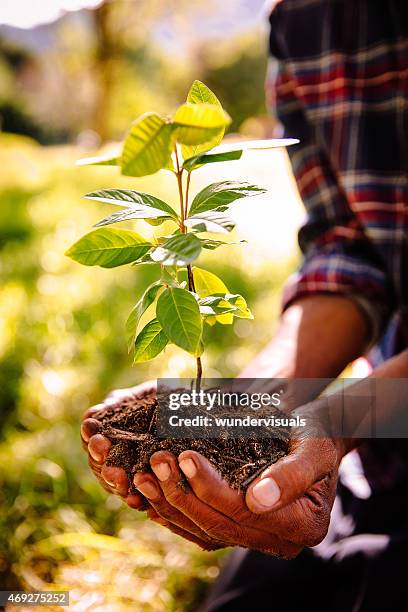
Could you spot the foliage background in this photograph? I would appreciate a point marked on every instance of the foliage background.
(69, 86)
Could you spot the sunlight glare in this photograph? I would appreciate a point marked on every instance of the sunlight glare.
(23, 14)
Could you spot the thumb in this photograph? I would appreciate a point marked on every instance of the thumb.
(288, 479)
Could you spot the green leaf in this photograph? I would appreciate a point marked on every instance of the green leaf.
(108, 248)
(148, 146)
(170, 165)
(242, 312)
(207, 283)
(140, 307)
(211, 245)
(218, 196)
(178, 250)
(225, 319)
(179, 315)
(215, 305)
(212, 320)
(101, 160)
(137, 204)
(221, 303)
(163, 239)
(169, 276)
(131, 213)
(199, 123)
(201, 160)
(150, 342)
(211, 221)
(254, 145)
(199, 94)
(138, 200)
(236, 302)
(155, 222)
(145, 259)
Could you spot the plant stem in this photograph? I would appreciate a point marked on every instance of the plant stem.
(199, 367)
(183, 213)
(187, 190)
(191, 285)
(199, 374)
(179, 176)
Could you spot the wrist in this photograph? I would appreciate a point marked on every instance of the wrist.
(320, 422)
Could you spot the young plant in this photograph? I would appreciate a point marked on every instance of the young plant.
(185, 296)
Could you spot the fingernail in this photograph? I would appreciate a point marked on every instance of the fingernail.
(98, 447)
(266, 492)
(95, 455)
(134, 501)
(188, 467)
(89, 428)
(148, 489)
(162, 471)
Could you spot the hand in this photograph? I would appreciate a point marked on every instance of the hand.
(298, 492)
(113, 479)
(286, 508)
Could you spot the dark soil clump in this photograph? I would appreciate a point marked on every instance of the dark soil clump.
(131, 428)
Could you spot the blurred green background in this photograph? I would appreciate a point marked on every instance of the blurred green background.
(71, 82)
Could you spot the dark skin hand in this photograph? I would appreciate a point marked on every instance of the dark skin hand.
(288, 506)
(285, 509)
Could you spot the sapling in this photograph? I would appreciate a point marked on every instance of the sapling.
(185, 297)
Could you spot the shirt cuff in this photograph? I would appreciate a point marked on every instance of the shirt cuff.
(368, 294)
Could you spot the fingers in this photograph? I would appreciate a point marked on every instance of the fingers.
(113, 479)
(98, 447)
(148, 485)
(92, 411)
(89, 428)
(116, 477)
(215, 524)
(204, 544)
(136, 501)
(103, 483)
(96, 469)
(287, 480)
(209, 486)
(116, 396)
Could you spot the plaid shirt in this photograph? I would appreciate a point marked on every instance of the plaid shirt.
(338, 81)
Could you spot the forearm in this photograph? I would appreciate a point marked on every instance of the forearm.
(316, 338)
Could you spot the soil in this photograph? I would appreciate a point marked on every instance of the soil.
(131, 428)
